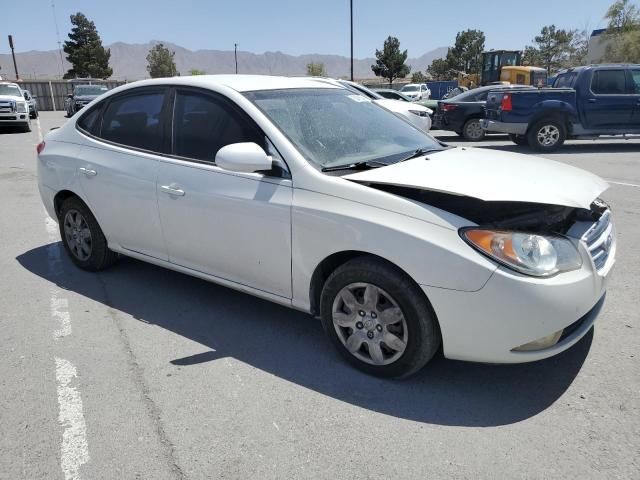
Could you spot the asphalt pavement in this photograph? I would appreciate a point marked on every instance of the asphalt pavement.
(142, 373)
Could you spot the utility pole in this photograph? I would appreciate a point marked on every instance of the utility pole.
(13, 54)
(235, 55)
(351, 11)
(55, 21)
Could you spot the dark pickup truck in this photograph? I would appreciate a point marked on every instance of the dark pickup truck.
(584, 103)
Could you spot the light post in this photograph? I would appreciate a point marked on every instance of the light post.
(235, 55)
(351, 14)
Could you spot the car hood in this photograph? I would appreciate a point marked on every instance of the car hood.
(85, 98)
(10, 98)
(490, 175)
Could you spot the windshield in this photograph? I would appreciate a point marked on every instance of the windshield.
(89, 90)
(12, 90)
(410, 88)
(332, 126)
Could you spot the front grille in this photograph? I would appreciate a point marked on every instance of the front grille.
(599, 240)
(8, 107)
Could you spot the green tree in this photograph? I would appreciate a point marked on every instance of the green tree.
(623, 17)
(553, 48)
(160, 62)
(439, 69)
(418, 77)
(195, 71)
(390, 61)
(316, 70)
(85, 53)
(466, 54)
(623, 34)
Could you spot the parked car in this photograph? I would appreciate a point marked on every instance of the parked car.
(584, 103)
(33, 103)
(416, 114)
(417, 91)
(14, 110)
(82, 95)
(392, 94)
(464, 112)
(303, 193)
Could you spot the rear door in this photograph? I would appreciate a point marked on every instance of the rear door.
(118, 166)
(607, 105)
(634, 83)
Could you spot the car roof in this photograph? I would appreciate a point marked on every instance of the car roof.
(240, 83)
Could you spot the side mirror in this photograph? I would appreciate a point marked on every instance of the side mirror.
(246, 157)
(25, 95)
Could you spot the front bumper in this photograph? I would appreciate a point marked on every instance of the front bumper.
(502, 127)
(512, 310)
(14, 119)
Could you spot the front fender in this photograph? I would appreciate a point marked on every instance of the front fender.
(430, 254)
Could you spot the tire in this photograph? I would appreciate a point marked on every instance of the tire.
(75, 240)
(519, 140)
(402, 316)
(547, 135)
(473, 131)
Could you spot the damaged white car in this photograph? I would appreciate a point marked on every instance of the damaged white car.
(310, 196)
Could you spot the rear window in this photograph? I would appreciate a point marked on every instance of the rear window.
(608, 82)
(565, 80)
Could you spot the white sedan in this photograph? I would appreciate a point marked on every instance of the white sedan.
(306, 194)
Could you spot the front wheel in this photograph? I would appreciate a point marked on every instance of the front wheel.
(473, 130)
(547, 135)
(379, 319)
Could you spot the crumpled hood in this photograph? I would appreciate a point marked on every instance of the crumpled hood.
(491, 175)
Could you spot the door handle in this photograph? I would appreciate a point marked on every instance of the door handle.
(169, 190)
(88, 172)
(593, 100)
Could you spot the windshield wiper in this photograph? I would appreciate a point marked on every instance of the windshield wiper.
(356, 165)
(420, 152)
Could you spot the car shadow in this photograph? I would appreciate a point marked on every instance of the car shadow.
(573, 148)
(292, 346)
(11, 130)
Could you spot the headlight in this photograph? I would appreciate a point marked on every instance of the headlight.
(420, 113)
(528, 253)
(21, 107)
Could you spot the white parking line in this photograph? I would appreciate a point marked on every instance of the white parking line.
(39, 129)
(74, 450)
(624, 183)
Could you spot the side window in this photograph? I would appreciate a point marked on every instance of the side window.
(135, 120)
(203, 124)
(635, 82)
(90, 121)
(608, 82)
(482, 97)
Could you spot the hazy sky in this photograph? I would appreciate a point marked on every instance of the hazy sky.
(297, 27)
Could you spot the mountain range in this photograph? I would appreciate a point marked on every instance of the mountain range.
(129, 62)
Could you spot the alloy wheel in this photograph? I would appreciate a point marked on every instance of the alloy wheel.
(548, 135)
(474, 130)
(77, 235)
(370, 324)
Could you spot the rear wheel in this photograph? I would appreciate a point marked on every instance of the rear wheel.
(82, 237)
(473, 130)
(378, 319)
(519, 139)
(547, 135)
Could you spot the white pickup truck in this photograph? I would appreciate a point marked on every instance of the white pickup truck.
(14, 109)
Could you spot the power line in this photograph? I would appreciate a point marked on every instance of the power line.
(55, 21)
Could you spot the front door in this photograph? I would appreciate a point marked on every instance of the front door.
(234, 226)
(607, 105)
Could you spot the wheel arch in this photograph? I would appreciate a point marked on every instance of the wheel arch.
(63, 195)
(328, 265)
